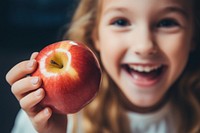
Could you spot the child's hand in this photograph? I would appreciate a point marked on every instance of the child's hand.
(28, 92)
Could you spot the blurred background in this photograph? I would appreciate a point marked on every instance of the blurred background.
(26, 26)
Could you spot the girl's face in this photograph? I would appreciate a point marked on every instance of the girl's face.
(144, 45)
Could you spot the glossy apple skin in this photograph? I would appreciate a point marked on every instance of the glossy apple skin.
(69, 88)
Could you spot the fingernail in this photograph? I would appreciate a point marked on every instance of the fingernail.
(38, 92)
(35, 80)
(30, 63)
(46, 111)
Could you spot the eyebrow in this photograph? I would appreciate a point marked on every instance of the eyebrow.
(120, 9)
(177, 9)
(180, 10)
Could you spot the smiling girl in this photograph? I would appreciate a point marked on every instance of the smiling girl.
(149, 51)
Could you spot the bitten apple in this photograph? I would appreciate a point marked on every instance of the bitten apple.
(71, 76)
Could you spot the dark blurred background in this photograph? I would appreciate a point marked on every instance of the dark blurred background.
(26, 26)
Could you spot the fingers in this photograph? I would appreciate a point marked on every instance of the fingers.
(34, 55)
(21, 87)
(42, 118)
(28, 103)
(21, 70)
(28, 92)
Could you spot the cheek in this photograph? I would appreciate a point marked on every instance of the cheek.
(176, 47)
(176, 51)
(110, 48)
(111, 52)
(109, 55)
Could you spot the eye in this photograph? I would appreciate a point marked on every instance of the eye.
(167, 23)
(120, 22)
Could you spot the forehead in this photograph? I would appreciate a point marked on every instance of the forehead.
(186, 4)
(147, 1)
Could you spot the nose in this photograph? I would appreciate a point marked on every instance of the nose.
(144, 44)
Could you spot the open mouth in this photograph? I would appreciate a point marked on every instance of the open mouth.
(144, 74)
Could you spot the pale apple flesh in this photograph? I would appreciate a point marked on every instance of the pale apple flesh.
(71, 76)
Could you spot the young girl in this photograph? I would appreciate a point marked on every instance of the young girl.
(149, 51)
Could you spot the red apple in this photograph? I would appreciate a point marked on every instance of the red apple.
(71, 76)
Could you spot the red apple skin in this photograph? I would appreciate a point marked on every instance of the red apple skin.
(69, 88)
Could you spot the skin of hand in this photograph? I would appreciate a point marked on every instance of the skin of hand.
(27, 91)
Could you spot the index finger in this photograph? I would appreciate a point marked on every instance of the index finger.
(20, 70)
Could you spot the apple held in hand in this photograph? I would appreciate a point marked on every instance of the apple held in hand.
(71, 76)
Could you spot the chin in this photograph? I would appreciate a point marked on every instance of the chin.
(145, 103)
(148, 103)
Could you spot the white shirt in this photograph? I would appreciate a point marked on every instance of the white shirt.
(157, 122)
(161, 121)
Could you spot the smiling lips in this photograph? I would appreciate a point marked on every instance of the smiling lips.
(144, 75)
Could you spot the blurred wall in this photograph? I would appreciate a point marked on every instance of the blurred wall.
(26, 26)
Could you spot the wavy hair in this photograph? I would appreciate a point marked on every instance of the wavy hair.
(106, 114)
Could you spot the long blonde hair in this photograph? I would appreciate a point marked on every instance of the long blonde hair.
(106, 114)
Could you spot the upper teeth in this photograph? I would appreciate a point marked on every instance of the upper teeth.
(144, 68)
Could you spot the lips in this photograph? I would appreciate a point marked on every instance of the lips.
(144, 75)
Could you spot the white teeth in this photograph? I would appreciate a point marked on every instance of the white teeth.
(144, 68)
